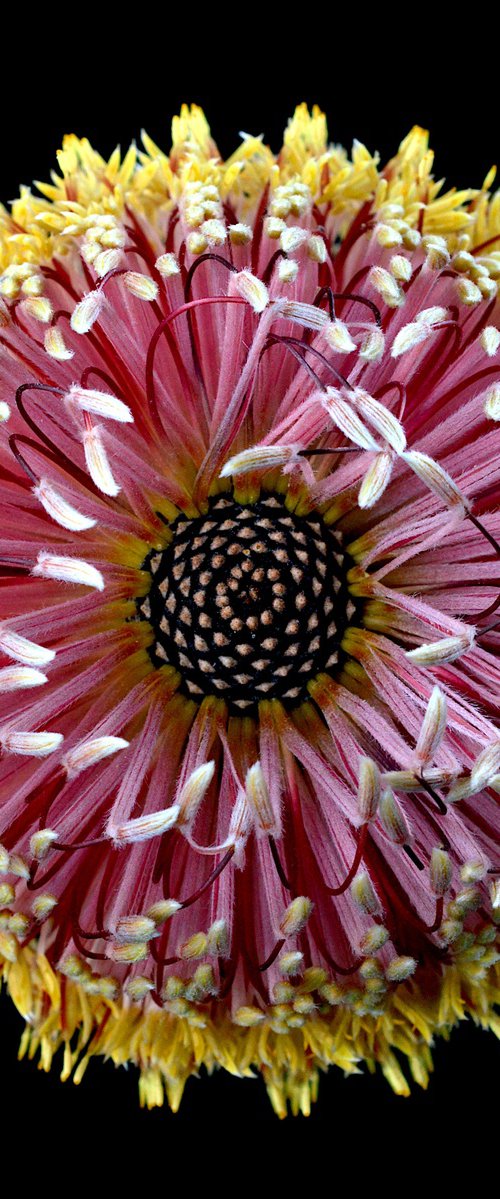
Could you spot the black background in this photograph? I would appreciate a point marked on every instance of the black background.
(373, 83)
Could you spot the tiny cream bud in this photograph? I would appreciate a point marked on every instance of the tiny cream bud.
(409, 337)
(163, 910)
(97, 462)
(316, 248)
(468, 292)
(88, 310)
(240, 234)
(55, 345)
(473, 871)
(440, 872)
(258, 800)
(307, 315)
(489, 340)
(194, 947)
(386, 286)
(339, 338)
(433, 728)
(400, 968)
(363, 894)
(381, 419)
(295, 916)
(248, 1017)
(401, 268)
(43, 905)
(343, 416)
(486, 766)
(193, 792)
(135, 928)
(167, 265)
(252, 289)
(41, 842)
(218, 939)
(291, 963)
(372, 346)
(142, 286)
(292, 238)
(368, 789)
(137, 988)
(492, 402)
(392, 819)
(374, 939)
(128, 953)
(432, 316)
(375, 480)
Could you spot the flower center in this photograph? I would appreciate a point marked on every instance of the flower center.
(249, 602)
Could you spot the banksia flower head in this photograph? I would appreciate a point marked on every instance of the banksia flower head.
(249, 619)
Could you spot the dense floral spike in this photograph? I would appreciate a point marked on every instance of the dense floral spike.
(249, 620)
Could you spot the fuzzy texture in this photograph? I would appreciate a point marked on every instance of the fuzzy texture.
(270, 883)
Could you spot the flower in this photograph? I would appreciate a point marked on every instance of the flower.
(249, 610)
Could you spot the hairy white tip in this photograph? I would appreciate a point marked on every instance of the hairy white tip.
(87, 311)
(89, 752)
(258, 799)
(23, 650)
(346, 419)
(55, 345)
(101, 403)
(410, 336)
(41, 842)
(445, 650)
(368, 789)
(37, 745)
(375, 480)
(437, 479)
(381, 419)
(386, 286)
(167, 265)
(489, 340)
(68, 570)
(63, 513)
(193, 792)
(14, 677)
(307, 315)
(492, 402)
(251, 289)
(295, 916)
(145, 827)
(97, 462)
(142, 286)
(433, 728)
(338, 336)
